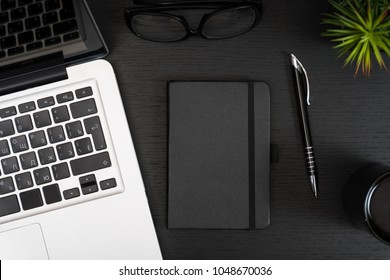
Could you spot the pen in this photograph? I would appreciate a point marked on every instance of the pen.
(303, 98)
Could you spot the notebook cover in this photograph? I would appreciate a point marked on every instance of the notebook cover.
(218, 155)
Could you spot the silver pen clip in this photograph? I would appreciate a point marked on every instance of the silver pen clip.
(298, 65)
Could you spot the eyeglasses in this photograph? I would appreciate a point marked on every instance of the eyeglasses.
(156, 23)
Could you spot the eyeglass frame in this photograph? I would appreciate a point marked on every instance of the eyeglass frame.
(148, 8)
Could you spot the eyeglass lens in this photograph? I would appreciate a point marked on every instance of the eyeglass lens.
(158, 27)
(166, 28)
(229, 23)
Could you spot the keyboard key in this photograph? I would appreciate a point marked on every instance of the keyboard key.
(31, 199)
(37, 139)
(52, 41)
(56, 134)
(52, 194)
(19, 144)
(88, 184)
(26, 107)
(89, 189)
(7, 112)
(3, 31)
(87, 180)
(71, 36)
(23, 123)
(7, 4)
(93, 127)
(83, 92)
(60, 114)
(18, 13)
(60, 171)
(9, 205)
(15, 51)
(6, 128)
(90, 163)
(108, 184)
(25, 2)
(35, 9)
(43, 32)
(4, 17)
(42, 119)
(47, 156)
(2, 54)
(71, 193)
(15, 27)
(34, 46)
(46, 102)
(33, 22)
(74, 129)
(64, 97)
(24, 181)
(65, 151)
(52, 5)
(28, 160)
(67, 11)
(83, 146)
(83, 108)
(4, 148)
(25, 37)
(65, 27)
(50, 18)
(6, 185)
(10, 165)
(42, 176)
(8, 42)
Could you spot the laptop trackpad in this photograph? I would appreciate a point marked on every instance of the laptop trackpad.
(23, 243)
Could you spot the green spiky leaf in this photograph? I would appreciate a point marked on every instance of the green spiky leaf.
(360, 30)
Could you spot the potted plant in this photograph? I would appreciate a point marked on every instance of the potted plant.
(360, 30)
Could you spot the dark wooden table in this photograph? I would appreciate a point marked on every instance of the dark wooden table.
(350, 120)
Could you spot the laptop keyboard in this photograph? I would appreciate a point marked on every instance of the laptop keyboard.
(29, 25)
(55, 151)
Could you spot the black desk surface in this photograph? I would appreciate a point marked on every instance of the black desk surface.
(349, 118)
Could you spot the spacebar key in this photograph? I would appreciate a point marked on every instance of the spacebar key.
(90, 163)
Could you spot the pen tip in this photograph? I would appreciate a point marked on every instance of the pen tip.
(313, 183)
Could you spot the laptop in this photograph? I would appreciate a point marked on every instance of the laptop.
(70, 184)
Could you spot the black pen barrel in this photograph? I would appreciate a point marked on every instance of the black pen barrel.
(302, 106)
(302, 92)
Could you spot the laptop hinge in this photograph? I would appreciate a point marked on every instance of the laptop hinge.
(32, 73)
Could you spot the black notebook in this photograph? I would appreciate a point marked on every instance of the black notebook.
(218, 155)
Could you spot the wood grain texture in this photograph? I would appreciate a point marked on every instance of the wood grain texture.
(349, 118)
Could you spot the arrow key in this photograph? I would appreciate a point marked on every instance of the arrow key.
(71, 193)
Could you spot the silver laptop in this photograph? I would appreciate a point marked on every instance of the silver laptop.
(70, 184)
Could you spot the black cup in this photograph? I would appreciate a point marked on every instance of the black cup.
(366, 200)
